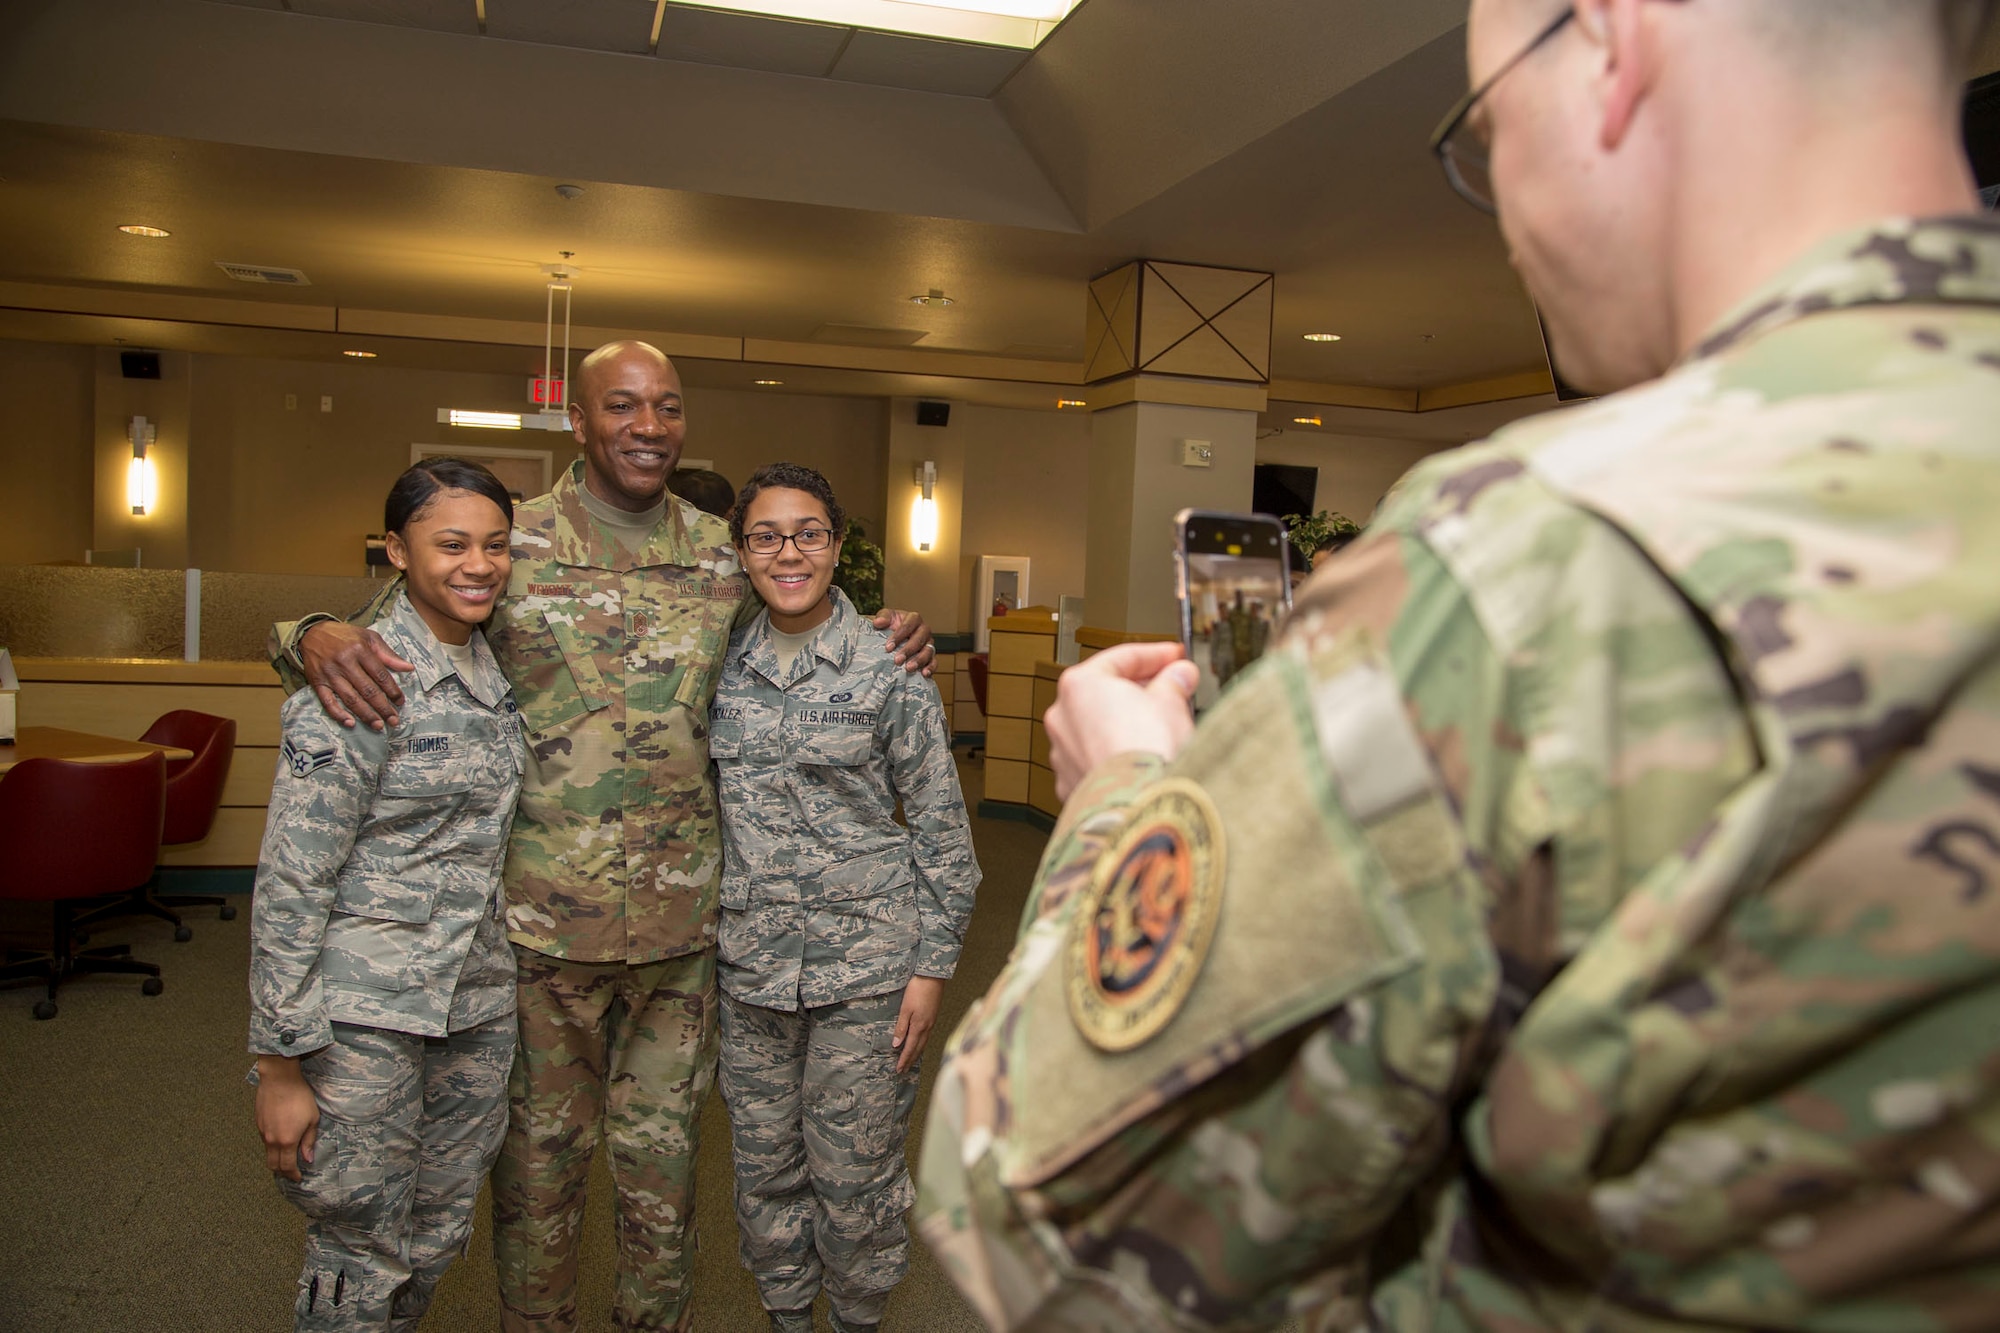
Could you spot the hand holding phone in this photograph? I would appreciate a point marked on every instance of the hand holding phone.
(1235, 586)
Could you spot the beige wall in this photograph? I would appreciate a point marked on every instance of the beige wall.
(1137, 483)
(922, 581)
(847, 439)
(1354, 471)
(292, 490)
(1027, 492)
(277, 489)
(46, 456)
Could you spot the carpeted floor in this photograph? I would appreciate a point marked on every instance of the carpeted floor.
(134, 1196)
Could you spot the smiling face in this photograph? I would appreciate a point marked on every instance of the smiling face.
(455, 558)
(792, 583)
(628, 418)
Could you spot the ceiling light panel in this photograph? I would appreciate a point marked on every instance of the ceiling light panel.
(1017, 23)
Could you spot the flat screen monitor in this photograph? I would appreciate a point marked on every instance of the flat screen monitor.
(1279, 489)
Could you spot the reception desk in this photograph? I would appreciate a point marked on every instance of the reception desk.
(1021, 685)
(123, 696)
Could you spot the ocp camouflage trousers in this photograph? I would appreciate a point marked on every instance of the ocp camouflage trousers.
(817, 1119)
(408, 1128)
(625, 1054)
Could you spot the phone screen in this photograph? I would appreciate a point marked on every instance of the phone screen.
(1235, 588)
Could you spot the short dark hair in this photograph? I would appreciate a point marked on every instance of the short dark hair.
(420, 484)
(789, 477)
(1335, 541)
(707, 491)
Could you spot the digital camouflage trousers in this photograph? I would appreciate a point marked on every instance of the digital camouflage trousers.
(408, 1127)
(619, 1053)
(817, 1118)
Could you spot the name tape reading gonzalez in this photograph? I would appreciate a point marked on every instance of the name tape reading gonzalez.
(1142, 933)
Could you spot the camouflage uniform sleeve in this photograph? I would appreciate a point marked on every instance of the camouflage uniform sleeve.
(925, 778)
(326, 781)
(1242, 1165)
(282, 645)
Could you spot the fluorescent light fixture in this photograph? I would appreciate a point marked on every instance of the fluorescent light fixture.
(1017, 23)
(1071, 402)
(142, 482)
(1307, 421)
(134, 229)
(934, 297)
(357, 352)
(1321, 337)
(768, 384)
(923, 513)
(454, 416)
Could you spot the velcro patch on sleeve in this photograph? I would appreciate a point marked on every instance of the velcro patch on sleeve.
(302, 761)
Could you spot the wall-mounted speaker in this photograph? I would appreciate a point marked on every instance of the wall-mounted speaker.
(933, 414)
(139, 365)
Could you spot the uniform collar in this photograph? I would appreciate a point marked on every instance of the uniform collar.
(576, 534)
(1910, 261)
(407, 633)
(832, 642)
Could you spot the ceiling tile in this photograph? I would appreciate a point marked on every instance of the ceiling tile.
(747, 41)
(624, 26)
(896, 61)
(436, 15)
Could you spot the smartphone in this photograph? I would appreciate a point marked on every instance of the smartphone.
(1234, 577)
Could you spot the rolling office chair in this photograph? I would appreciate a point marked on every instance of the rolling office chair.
(194, 794)
(73, 830)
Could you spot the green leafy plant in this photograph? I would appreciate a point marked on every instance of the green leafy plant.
(859, 573)
(1309, 533)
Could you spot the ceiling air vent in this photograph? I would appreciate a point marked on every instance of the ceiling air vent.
(283, 277)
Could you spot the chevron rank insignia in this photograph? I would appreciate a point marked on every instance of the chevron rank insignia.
(302, 762)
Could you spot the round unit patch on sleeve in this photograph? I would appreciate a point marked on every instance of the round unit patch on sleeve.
(1144, 927)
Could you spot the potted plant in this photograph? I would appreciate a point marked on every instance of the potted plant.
(1310, 532)
(859, 573)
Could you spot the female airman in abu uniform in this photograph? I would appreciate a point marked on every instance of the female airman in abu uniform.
(381, 982)
(839, 925)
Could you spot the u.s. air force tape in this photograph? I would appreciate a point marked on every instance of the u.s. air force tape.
(1143, 930)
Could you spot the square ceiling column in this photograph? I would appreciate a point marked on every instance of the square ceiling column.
(1151, 317)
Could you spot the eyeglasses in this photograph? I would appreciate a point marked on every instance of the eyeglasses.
(1464, 156)
(807, 540)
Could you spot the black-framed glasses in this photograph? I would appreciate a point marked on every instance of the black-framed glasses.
(806, 540)
(1463, 154)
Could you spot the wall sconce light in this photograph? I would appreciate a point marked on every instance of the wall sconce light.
(923, 514)
(142, 483)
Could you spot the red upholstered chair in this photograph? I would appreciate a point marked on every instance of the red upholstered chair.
(194, 794)
(194, 789)
(70, 831)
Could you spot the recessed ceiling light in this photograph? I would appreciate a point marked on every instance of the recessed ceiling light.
(134, 229)
(934, 297)
(767, 384)
(1322, 337)
(356, 351)
(1307, 421)
(1071, 402)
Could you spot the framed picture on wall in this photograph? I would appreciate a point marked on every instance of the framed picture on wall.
(524, 472)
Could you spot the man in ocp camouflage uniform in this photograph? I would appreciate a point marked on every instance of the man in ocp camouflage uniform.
(1588, 915)
(612, 632)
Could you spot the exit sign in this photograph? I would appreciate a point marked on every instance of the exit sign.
(546, 392)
